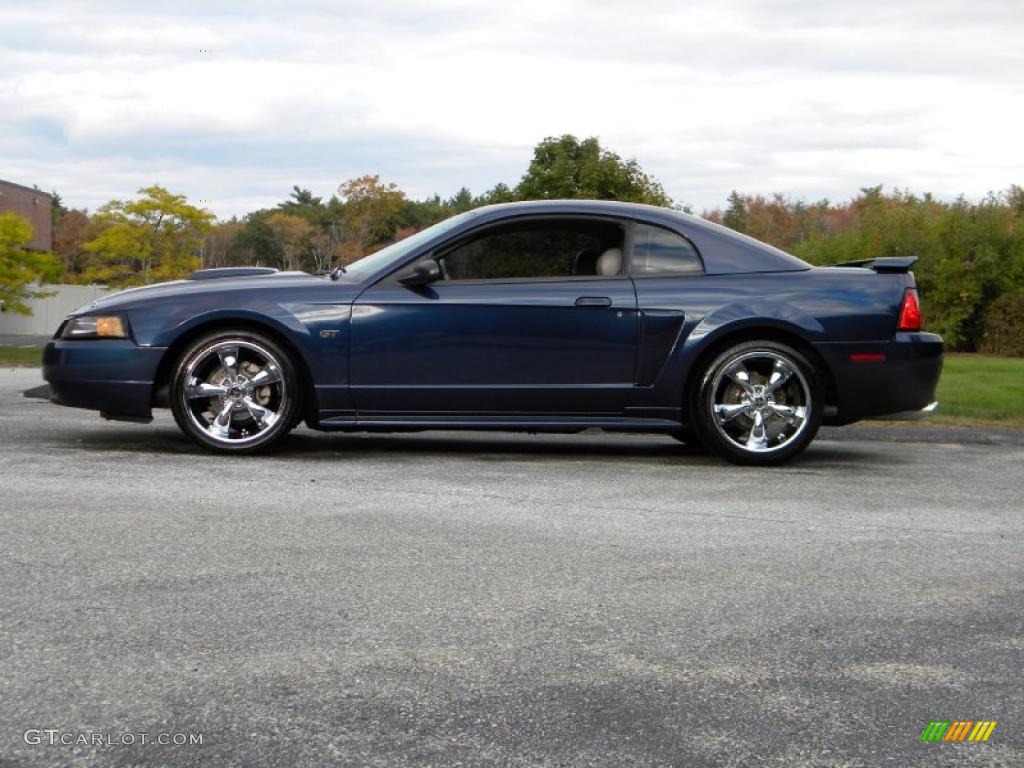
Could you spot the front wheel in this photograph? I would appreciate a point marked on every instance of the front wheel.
(759, 402)
(234, 392)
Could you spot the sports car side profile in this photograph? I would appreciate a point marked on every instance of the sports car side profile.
(539, 316)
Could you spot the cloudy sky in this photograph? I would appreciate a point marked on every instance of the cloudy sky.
(812, 98)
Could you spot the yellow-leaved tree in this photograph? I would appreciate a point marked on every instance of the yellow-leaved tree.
(158, 236)
(371, 209)
(21, 270)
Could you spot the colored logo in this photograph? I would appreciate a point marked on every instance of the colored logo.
(958, 730)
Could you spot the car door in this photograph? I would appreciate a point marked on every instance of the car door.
(522, 324)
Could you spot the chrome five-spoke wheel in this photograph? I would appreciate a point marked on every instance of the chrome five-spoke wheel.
(234, 392)
(759, 403)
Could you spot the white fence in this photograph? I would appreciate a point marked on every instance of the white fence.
(48, 313)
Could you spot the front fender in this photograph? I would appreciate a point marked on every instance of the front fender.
(318, 333)
(160, 329)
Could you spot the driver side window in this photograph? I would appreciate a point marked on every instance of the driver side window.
(537, 248)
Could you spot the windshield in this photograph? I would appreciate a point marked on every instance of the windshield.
(395, 252)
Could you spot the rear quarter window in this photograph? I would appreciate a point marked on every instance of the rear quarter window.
(658, 251)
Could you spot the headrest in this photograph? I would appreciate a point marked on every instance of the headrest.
(610, 262)
(585, 263)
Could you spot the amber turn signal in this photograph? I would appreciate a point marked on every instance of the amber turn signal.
(110, 326)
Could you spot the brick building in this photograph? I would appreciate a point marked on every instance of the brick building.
(34, 205)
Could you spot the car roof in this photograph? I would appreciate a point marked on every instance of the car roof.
(723, 250)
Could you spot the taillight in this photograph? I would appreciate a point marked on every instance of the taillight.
(910, 312)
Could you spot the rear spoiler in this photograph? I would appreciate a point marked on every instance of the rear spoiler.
(901, 264)
(219, 272)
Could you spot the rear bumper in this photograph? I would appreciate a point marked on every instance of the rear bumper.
(112, 376)
(883, 379)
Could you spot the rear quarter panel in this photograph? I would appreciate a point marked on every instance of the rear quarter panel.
(816, 305)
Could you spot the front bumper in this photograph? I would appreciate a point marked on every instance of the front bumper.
(883, 379)
(113, 376)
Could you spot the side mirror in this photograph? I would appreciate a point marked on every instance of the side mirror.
(424, 273)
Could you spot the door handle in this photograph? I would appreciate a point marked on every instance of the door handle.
(593, 301)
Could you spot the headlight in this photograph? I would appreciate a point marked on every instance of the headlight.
(96, 327)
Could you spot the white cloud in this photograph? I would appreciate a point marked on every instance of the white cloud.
(807, 98)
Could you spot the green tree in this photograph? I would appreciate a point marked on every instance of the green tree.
(561, 167)
(462, 201)
(21, 270)
(158, 236)
(255, 243)
(567, 168)
(499, 193)
(419, 214)
(736, 214)
(303, 203)
(57, 207)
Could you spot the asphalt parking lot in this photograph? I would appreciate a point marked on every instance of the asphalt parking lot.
(480, 599)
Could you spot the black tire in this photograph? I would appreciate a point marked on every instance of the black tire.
(262, 390)
(758, 403)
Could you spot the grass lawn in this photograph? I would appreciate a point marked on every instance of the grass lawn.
(974, 389)
(977, 389)
(21, 356)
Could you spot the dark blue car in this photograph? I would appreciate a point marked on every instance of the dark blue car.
(540, 316)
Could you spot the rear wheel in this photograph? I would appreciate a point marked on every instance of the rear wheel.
(235, 392)
(759, 402)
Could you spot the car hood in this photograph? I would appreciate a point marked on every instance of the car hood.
(134, 297)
